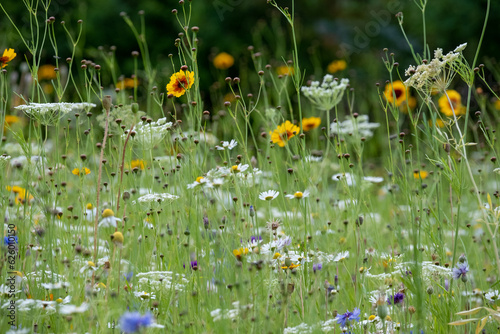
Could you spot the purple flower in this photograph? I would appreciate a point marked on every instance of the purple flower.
(397, 298)
(255, 239)
(461, 270)
(194, 265)
(131, 322)
(344, 319)
(446, 284)
(317, 266)
(128, 276)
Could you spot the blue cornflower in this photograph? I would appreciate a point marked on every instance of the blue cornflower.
(128, 276)
(8, 241)
(397, 298)
(131, 322)
(461, 270)
(344, 319)
(317, 266)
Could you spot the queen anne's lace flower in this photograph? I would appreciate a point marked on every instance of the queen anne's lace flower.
(50, 113)
(355, 126)
(148, 135)
(327, 94)
(439, 72)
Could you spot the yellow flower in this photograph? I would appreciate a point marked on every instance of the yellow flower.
(9, 120)
(46, 72)
(83, 171)
(240, 252)
(141, 164)
(117, 237)
(456, 103)
(291, 266)
(7, 56)
(276, 255)
(108, 213)
(285, 70)
(439, 123)
(199, 178)
(420, 175)
(310, 123)
(180, 82)
(89, 206)
(371, 318)
(127, 83)
(398, 89)
(497, 104)
(20, 194)
(223, 61)
(336, 66)
(284, 133)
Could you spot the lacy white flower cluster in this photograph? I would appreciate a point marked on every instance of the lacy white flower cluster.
(227, 145)
(4, 160)
(50, 113)
(150, 134)
(161, 279)
(152, 198)
(327, 94)
(219, 314)
(436, 74)
(355, 126)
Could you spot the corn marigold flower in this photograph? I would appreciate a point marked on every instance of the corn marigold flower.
(285, 70)
(180, 82)
(456, 104)
(310, 123)
(336, 66)
(109, 219)
(46, 72)
(298, 195)
(420, 175)
(396, 92)
(240, 252)
(283, 133)
(117, 237)
(127, 83)
(7, 56)
(84, 171)
(21, 195)
(268, 195)
(138, 163)
(223, 61)
(10, 120)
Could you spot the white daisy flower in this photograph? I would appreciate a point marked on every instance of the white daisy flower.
(341, 256)
(109, 219)
(298, 195)
(144, 295)
(89, 266)
(239, 168)
(72, 309)
(492, 296)
(229, 145)
(269, 195)
(199, 181)
(90, 212)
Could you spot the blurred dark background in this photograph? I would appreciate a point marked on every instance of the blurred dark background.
(353, 30)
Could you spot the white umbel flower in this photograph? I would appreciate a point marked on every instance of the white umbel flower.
(148, 135)
(50, 113)
(327, 94)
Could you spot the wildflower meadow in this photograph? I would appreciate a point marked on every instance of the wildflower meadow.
(271, 188)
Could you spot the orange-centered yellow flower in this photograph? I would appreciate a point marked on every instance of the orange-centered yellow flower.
(420, 174)
(284, 133)
(310, 123)
(180, 82)
(336, 66)
(7, 56)
(285, 70)
(397, 90)
(141, 164)
(223, 61)
(456, 103)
